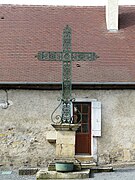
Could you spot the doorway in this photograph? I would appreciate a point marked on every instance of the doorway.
(83, 134)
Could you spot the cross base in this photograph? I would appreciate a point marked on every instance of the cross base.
(65, 140)
(44, 174)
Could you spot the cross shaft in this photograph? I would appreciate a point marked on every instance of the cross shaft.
(66, 56)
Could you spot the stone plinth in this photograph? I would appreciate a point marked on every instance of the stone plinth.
(65, 140)
(66, 127)
(65, 145)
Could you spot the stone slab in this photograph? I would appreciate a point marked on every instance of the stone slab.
(66, 127)
(44, 174)
(97, 169)
(28, 171)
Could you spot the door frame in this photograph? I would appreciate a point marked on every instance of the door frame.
(94, 150)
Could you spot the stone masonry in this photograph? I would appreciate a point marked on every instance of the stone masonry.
(26, 122)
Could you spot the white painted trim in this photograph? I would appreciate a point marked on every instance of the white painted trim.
(94, 149)
(72, 111)
(84, 100)
(96, 118)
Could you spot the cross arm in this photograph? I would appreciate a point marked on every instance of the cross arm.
(84, 56)
(49, 56)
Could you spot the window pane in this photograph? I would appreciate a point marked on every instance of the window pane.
(85, 128)
(85, 108)
(77, 114)
(85, 118)
(77, 118)
(77, 107)
(79, 129)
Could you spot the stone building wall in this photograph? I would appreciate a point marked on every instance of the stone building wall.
(117, 143)
(23, 128)
(26, 122)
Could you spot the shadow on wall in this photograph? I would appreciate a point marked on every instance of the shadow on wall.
(126, 20)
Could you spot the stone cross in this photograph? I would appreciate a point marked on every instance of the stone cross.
(66, 56)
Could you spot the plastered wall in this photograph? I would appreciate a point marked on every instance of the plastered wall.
(25, 123)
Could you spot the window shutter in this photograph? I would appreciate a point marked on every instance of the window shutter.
(96, 118)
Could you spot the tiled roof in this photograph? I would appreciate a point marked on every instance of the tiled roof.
(25, 30)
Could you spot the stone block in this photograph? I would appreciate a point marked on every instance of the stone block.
(127, 155)
(51, 136)
(65, 137)
(65, 144)
(65, 150)
(28, 171)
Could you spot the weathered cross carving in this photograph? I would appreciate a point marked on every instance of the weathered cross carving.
(66, 56)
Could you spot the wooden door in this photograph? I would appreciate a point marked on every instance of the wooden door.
(83, 134)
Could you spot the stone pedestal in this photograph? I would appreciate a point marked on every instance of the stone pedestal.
(65, 145)
(65, 140)
(65, 152)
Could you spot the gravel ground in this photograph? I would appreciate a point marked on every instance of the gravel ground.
(127, 173)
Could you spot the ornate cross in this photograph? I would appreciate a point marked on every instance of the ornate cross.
(66, 56)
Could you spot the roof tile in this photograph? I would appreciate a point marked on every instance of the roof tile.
(25, 30)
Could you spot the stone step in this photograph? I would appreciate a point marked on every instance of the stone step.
(97, 169)
(88, 165)
(84, 158)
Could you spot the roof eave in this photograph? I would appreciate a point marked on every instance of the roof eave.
(75, 85)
